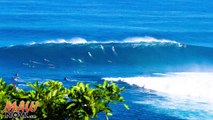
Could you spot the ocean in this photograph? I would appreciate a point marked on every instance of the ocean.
(160, 50)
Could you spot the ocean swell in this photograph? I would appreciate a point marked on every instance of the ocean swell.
(143, 54)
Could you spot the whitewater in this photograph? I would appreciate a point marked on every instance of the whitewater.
(194, 85)
(79, 40)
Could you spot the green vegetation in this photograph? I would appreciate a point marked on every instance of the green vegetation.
(80, 102)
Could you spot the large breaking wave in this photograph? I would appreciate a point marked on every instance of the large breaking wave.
(143, 54)
(116, 60)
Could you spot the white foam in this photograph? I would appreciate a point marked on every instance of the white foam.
(194, 84)
(35, 62)
(71, 41)
(147, 39)
(79, 40)
(32, 43)
(26, 64)
(196, 110)
(19, 79)
(71, 80)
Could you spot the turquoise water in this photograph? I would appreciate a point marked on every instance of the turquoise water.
(161, 51)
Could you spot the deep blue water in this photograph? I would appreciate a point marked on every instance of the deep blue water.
(186, 21)
(91, 40)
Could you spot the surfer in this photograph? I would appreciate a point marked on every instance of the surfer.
(16, 76)
(73, 59)
(102, 48)
(46, 60)
(113, 50)
(66, 78)
(80, 61)
(89, 53)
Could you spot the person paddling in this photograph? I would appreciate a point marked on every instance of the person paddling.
(65, 78)
(16, 76)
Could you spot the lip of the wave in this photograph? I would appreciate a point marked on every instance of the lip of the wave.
(79, 40)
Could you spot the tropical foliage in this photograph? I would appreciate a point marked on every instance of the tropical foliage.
(80, 102)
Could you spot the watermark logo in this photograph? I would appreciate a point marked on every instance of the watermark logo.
(11, 110)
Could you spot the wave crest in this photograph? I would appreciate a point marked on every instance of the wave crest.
(79, 40)
(71, 41)
(148, 40)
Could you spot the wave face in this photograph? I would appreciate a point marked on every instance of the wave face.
(142, 54)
